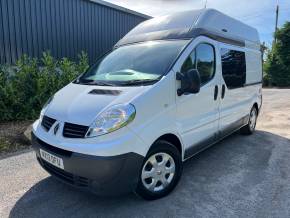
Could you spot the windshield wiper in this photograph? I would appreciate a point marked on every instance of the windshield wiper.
(102, 83)
(138, 82)
(94, 82)
(116, 83)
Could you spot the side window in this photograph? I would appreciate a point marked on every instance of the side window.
(233, 68)
(189, 63)
(205, 62)
(202, 58)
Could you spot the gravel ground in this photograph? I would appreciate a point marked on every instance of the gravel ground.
(242, 176)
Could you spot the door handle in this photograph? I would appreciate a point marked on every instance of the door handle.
(223, 91)
(216, 91)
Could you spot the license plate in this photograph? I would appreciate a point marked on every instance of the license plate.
(52, 159)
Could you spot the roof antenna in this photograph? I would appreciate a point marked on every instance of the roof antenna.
(205, 3)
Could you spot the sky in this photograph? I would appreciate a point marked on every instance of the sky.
(257, 13)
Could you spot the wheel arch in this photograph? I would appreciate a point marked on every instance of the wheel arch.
(173, 139)
(256, 106)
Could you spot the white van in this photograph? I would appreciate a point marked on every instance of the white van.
(172, 87)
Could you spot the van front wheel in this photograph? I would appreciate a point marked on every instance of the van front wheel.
(250, 127)
(161, 171)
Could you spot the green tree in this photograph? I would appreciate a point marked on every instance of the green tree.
(277, 66)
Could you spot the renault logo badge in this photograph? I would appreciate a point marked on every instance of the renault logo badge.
(56, 129)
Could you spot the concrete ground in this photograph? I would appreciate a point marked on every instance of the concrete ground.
(242, 176)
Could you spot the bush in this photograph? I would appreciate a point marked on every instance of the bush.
(27, 86)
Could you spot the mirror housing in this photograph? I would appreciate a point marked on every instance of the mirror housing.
(190, 82)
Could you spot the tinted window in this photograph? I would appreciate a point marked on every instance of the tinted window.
(205, 62)
(189, 63)
(203, 59)
(234, 68)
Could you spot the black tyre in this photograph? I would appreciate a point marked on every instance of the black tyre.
(250, 127)
(160, 172)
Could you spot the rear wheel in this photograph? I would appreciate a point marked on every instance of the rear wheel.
(250, 127)
(160, 172)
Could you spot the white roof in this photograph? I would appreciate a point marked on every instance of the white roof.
(214, 20)
(185, 24)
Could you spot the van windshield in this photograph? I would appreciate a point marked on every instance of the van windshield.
(135, 64)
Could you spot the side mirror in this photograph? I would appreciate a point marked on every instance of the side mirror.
(190, 82)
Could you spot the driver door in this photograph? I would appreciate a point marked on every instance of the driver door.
(198, 114)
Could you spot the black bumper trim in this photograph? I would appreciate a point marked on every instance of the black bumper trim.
(63, 175)
(114, 175)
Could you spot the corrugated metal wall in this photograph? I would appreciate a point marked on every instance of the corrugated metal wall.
(64, 27)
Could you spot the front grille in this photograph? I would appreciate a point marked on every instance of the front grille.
(74, 131)
(47, 122)
(65, 176)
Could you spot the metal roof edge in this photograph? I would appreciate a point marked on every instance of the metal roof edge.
(120, 8)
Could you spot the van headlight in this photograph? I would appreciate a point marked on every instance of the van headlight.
(112, 119)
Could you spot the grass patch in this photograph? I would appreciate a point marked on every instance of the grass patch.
(12, 137)
(7, 147)
(4, 145)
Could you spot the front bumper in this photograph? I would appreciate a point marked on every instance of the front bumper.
(113, 175)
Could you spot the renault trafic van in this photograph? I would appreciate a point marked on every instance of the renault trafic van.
(172, 87)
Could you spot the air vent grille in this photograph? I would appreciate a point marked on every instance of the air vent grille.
(47, 122)
(66, 176)
(104, 92)
(74, 131)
